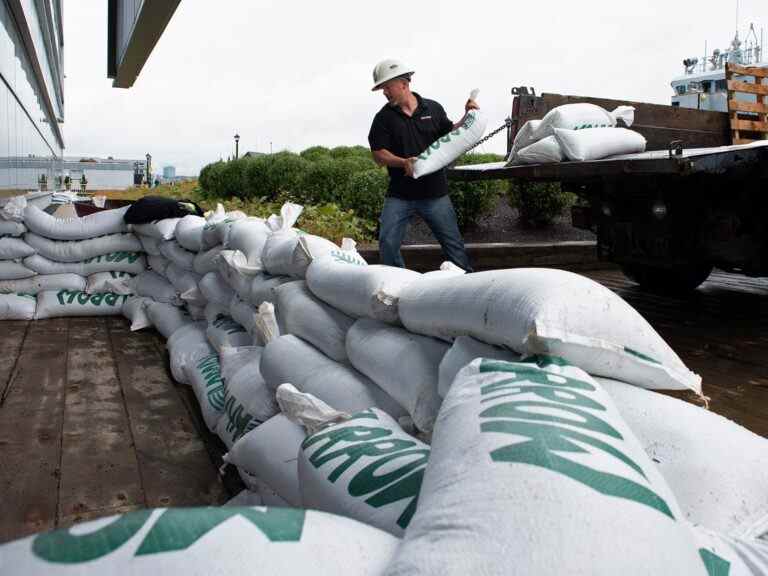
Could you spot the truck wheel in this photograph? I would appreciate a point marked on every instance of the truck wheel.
(668, 281)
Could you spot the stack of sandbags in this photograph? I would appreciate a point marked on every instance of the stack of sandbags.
(576, 132)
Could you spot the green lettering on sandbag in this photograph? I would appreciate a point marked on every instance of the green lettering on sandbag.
(178, 528)
(346, 434)
(82, 298)
(715, 565)
(96, 299)
(407, 487)
(63, 547)
(569, 397)
(435, 145)
(542, 450)
(445, 139)
(60, 295)
(133, 256)
(111, 299)
(640, 355)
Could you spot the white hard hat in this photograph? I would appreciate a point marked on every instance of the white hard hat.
(388, 69)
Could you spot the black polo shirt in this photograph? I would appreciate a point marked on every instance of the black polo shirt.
(406, 136)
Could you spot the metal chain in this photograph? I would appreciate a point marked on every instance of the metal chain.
(507, 124)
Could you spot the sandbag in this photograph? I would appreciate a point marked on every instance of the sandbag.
(135, 310)
(290, 359)
(117, 282)
(167, 318)
(205, 541)
(14, 248)
(232, 359)
(245, 315)
(462, 352)
(247, 403)
(158, 264)
(10, 228)
(73, 303)
(359, 290)
(730, 556)
(523, 138)
(716, 485)
(38, 283)
(598, 143)
(131, 262)
(289, 254)
(149, 244)
(185, 282)
(448, 148)
(196, 312)
(91, 226)
(300, 313)
(17, 306)
(79, 250)
(204, 375)
(150, 208)
(177, 255)
(12, 270)
(542, 152)
(404, 365)
(533, 471)
(152, 285)
(207, 261)
(215, 289)
(223, 332)
(189, 232)
(264, 288)
(582, 116)
(248, 236)
(13, 208)
(539, 310)
(245, 498)
(233, 269)
(380, 486)
(164, 229)
(270, 452)
(186, 346)
(217, 226)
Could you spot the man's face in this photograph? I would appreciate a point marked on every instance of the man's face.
(395, 91)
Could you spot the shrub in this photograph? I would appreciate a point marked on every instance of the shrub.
(472, 200)
(256, 179)
(539, 203)
(365, 192)
(284, 174)
(232, 181)
(325, 180)
(340, 152)
(315, 153)
(333, 223)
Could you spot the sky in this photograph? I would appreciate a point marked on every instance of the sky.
(287, 75)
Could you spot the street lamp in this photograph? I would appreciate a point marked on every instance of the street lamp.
(237, 145)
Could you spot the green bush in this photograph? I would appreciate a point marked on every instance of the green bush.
(325, 180)
(232, 180)
(340, 152)
(539, 203)
(285, 174)
(256, 179)
(365, 192)
(315, 153)
(472, 200)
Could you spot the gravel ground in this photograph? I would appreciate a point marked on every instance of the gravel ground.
(501, 225)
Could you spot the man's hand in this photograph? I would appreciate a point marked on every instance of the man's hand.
(471, 105)
(408, 166)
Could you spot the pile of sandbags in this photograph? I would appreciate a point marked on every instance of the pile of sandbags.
(576, 132)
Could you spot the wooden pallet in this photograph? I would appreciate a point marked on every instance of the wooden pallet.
(749, 120)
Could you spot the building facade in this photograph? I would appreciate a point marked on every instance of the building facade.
(169, 172)
(31, 92)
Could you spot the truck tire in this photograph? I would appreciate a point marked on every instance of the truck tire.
(678, 280)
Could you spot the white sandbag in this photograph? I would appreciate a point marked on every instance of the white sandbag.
(189, 232)
(14, 248)
(12, 270)
(131, 262)
(289, 254)
(270, 452)
(223, 333)
(245, 498)
(730, 556)
(448, 148)
(91, 226)
(17, 306)
(598, 143)
(13, 208)
(307, 410)
(248, 236)
(204, 375)
(542, 152)
(360, 291)
(232, 359)
(186, 346)
(135, 309)
(152, 285)
(72, 303)
(207, 261)
(158, 264)
(379, 486)
(167, 318)
(79, 250)
(204, 542)
(196, 312)
(159, 229)
(185, 282)
(117, 282)
(446, 270)
(524, 138)
(245, 315)
(716, 485)
(290, 359)
(248, 403)
(533, 471)
(215, 289)
(149, 244)
(545, 311)
(38, 283)
(217, 226)
(177, 255)
(233, 268)
(404, 365)
(302, 314)
(582, 116)
(462, 352)
(9, 228)
(264, 288)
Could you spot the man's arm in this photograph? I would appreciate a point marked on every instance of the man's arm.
(470, 105)
(384, 157)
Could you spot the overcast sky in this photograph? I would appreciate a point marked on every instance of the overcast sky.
(299, 74)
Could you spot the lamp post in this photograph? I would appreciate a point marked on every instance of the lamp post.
(237, 145)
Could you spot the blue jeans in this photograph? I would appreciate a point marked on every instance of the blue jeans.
(439, 215)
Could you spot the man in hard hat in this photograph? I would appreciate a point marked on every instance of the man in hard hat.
(402, 130)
